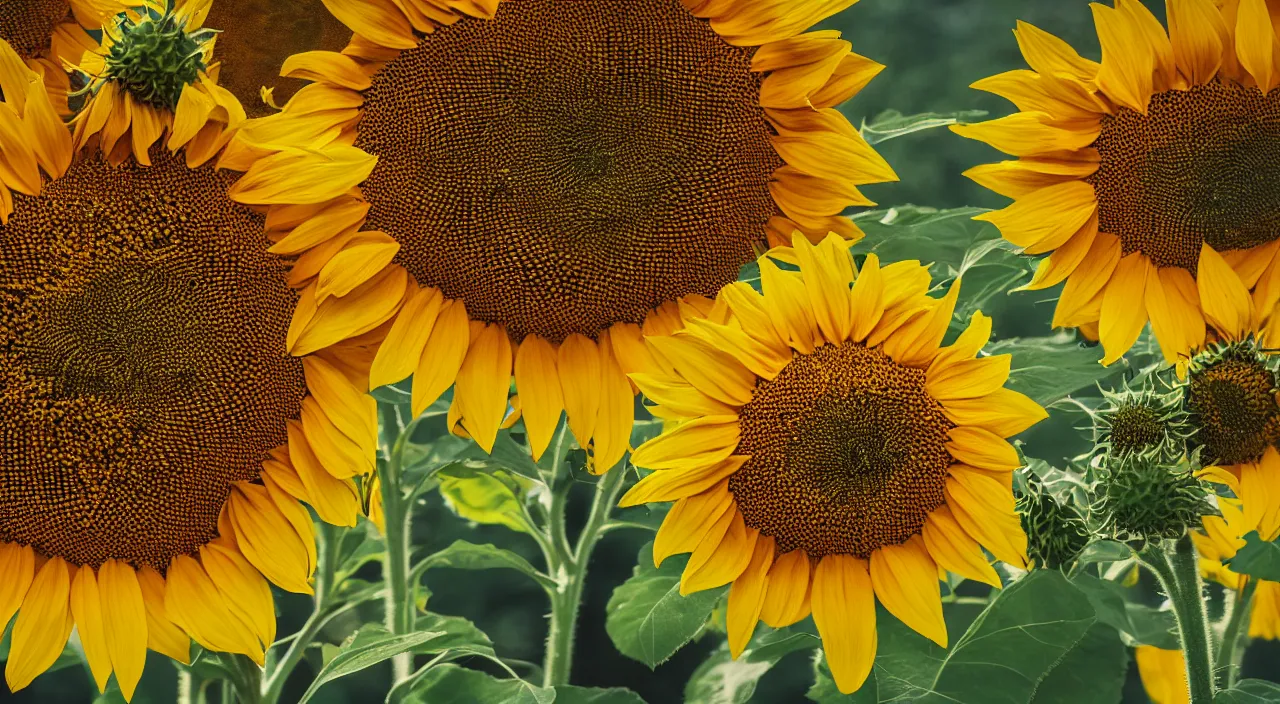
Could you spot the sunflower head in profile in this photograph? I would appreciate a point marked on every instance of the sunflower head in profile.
(1253, 505)
(1151, 179)
(541, 182)
(158, 439)
(47, 33)
(1056, 530)
(1231, 395)
(149, 78)
(827, 450)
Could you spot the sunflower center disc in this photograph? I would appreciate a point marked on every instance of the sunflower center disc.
(28, 24)
(570, 165)
(142, 360)
(848, 453)
(1234, 411)
(1202, 166)
(251, 52)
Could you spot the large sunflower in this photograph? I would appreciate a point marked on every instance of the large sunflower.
(48, 33)
(157, 437)
(828, 451)
(1152, 179)
(256, 36)
(540, 180)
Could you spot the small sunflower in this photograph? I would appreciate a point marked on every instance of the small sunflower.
(149, 77)
(1152, 179)
(540, 182)
(47, 34)
(158, 438)
(256, 37)
(827, 451)
(1231, 394)
(1255, 506)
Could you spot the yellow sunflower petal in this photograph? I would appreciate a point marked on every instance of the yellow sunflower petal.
(982, 448)
(334, 499)
(1027, 134)
(1256, 43)
(1163, 673)
(1085, 286)
(916, 343)
(43, 625)
(483, 382)
(326, 67)
(1045, 219)
(361, 259)
(721, 555)
(985, 509)
(701, 441)
(1127, 59)
(955, 550)
(378, 22)
(1004, 412)
(443, 355)
(713, 372)
(193, 602)
(1199, 37)
(966, 346)
(17, 564)
(86, 610)
(243, 588)
(616, 415)
(280, 544)
(1227, 305)
(675, 484)
(689, 520)
(348, 408)
(539, 385)
(297, 176)
(968, 378)
(1124, 311)
(124, 618)
(787, 593)
(905, 578)
(578, 364)
(746, 596)
(336, 319)
(163, 636)
(844, 610)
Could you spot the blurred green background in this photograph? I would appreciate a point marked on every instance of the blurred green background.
(933, 50)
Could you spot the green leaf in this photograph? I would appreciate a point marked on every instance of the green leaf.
(463, 555)
(1092, 671)
(568, 694)
(944, 237)
(1113, 605)
(1104, 551)
(647, 618)
(456, 633)
(723, 680)
(892, 124)
(1009, 653)
(369, 646)
(450, 684)
(484, 493)
(1250, 692)
(1048, 369)
(1257, 558)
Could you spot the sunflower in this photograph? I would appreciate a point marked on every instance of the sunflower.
(540, 182)
(1152, 179)
(1255, 506)
(1231, 397)
(1163, 673)
(48, 33)
(158, 438)
(827, 451)
(250, 52)
(147, 79)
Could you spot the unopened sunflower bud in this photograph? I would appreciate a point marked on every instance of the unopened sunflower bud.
(153, 57)
(1141, 499)
(1141, 420)
(1230, 394)
(1056, 531)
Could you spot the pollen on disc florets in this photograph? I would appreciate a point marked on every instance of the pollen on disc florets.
(1141, 419)
(155, 58)
(1141, 498)
(1231, 396)
(1056, 530)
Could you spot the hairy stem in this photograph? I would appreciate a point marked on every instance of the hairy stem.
(568, 566)
(1180, 577)
(1227, 664)
(397, 534)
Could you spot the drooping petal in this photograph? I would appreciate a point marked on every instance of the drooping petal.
(538, 383)
(43, 625)
(1124, 311)
(905, 578)
(690, 520)
(484, 380)
(844, 610)
(955, 550)
(443, 355)
(746, 596)
(787, 593)
(124, 618)
(86, 610)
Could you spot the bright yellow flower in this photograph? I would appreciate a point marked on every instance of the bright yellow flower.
(1151, 179)
(157, 438)
(830, 452)
(1164, 674)
(540, 181)
(47, 33)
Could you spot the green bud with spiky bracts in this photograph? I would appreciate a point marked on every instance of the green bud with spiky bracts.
(1144, 418)
(154, 57)
(1141, 498)
(1230, 396)
(1056, 530)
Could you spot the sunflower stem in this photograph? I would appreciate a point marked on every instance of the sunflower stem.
(1230, 650)
(327, 544)
(396, 509)
(1180, 577)
(568, 566)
